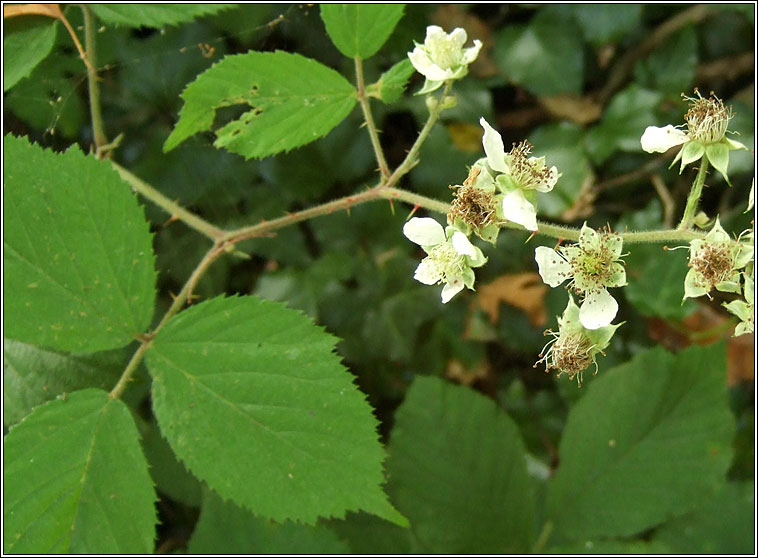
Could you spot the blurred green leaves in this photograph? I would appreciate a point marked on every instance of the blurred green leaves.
(650, 439)
(545, 56)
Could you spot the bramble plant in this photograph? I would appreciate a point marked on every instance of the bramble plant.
(182, 367)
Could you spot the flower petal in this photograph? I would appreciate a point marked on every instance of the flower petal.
(463, 245)
(458, 37)
(420, 60)
(518, 209)
(598, 309)
(470, 53)
(554, 270)
(427, 273)
(452, 288)
(493, 147)
(424, 231)
(660, 140)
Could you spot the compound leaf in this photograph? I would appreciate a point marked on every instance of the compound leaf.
(79, 264)
(76, 481)
(649, 440)
(294, 100)
(457, 470)
(360, 29)
(253, 400)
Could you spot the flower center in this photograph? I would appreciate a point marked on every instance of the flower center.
(713, 263)
(570, 354)
(592, 268)
(707, 119)
(473, 206)
(528, 173)
(444, 53)
(446, 261)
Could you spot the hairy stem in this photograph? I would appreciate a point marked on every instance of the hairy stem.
(98, 127)
(694, 197)
(170, 207)
(368, 117)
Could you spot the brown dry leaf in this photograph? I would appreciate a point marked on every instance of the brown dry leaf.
(457, 372)
(466, 137)
(525, 291)
(703, 327)
(581, 110)
(450, 16)
(49, 10)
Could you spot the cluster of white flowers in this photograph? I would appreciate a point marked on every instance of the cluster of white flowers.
(593, 265)
(502, 187)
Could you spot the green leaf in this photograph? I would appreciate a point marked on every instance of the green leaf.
(26, 43)
(253, 400)
(624, 121)
(605, 23)
(457, 470)
(650, 439)
(723, 525)
(666, 269)
(76, 481)
(154, 15)
(224, 528)
(294, 100)
(32, 375)
(367, 534)
(79, 273)
(610, 548)
(393, 82)
(49, 98)
(170, 476)
(360, 29)
(670, 68)
(545, 56)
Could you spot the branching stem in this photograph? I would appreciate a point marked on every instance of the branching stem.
(98, 127)
(368, 117)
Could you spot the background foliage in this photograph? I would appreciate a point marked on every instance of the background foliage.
(485, 453)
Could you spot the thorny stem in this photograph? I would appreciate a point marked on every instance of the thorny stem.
(98, 128)
(694, 197)
(368, 117)
(169, 206)
(179, 301)
(412, 157)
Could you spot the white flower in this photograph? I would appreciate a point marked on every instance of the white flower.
(450, 256)
(574, 348)
(593, 265)
(442, 56)
(520, 176)
(707, 121)
(715, 262)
